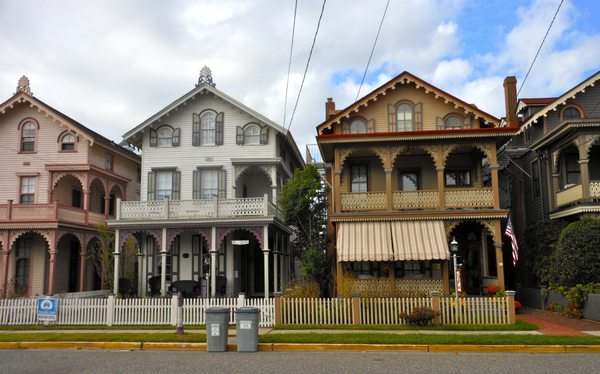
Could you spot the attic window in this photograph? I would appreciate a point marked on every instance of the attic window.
(358, 126)
(453, 122)
(571, 113)
(165, 136)
(252, 134)
(68, 142)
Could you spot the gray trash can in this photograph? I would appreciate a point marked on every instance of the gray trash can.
(217, 326)
(247, 319)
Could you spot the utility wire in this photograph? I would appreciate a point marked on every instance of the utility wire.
(307, 64)
(540, 48)
(287, 84)
(372, 50)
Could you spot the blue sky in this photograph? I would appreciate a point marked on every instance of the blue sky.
(111, 64)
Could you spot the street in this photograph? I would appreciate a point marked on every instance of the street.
(131, 362)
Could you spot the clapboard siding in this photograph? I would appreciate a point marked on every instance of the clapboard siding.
(432, 108)
(186, 158)
(588, 100)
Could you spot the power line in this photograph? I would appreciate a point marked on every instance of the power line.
(287, 84)
(372, 50)
(307, 64)
(540, 48)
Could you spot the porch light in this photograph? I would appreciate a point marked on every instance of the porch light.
(453, 246)
(454, 251)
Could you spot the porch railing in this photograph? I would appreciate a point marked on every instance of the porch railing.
(470, 198)
(569, 195)
(197, 209)
(353, 201)
(420, 199)
(49, 212)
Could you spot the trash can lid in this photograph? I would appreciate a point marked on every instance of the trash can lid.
(216, 310)
(248, 310)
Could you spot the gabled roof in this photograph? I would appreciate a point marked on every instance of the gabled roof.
(407, 78)
(534, 101)
(66, 121)
(570, 94)
(191, 95)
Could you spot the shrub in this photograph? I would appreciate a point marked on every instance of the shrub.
(518, 306)
(420, 316)
(306, 289)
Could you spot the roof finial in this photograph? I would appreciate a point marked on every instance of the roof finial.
(23, 86)
(205, 77)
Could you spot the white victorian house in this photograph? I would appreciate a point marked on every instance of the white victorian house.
(208, 220)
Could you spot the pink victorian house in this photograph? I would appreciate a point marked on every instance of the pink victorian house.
(59, 180)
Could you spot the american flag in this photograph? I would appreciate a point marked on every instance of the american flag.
(513, 241)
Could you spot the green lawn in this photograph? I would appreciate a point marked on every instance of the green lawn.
(374, 338)
(100, 337)
(98, 327)
(518, 326)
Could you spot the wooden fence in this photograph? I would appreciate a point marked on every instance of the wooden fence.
(111, 311)
(387, 311)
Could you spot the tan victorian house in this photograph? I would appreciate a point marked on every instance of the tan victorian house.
(410, 167)
(58, 181)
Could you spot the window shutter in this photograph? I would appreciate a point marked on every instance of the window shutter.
(391, 117)
(175, 138)
(219, 128)
(264, 135)
(153, 138)
(345, 128)
(467, 122)
(197, 185)
(195, 129)
(239, 135)
(371, 125)
(176, 185)
(440, 123)
(151, 183)
(419, 116)
(222, 184)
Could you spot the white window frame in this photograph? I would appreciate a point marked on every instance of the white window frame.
(252, 135)
(27, 188)
(208, 128)
(162, 140)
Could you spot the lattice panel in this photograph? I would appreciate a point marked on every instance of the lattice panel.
(418, 287)
(191, 209)
(142, 209)
(595, 189)
(373, 287)
(415, 199)
(33, 211)
(470, 198)
(241, 207)
(364, 201)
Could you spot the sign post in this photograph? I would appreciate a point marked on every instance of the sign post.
(47, 309)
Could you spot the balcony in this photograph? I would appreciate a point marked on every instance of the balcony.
(48, 213)
(574, 194)
(254, 207)
(470, 198)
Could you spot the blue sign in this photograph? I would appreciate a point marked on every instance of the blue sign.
(47, 309)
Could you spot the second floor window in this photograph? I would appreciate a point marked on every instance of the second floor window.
(27, 193)
(28, 134)
(409, 180)
(207, 128)
(404, 118)
(458, 178)
(163, 184)
(109, 161)
(252, 135)
(359, 178)
(209, 184)
(572, 172)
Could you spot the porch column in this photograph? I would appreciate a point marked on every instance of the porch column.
(163, 263)
(82, 268)
(388, 189)
(500, 265)
(337, 173)
(4, 276)
(116, 270)
(555, 188)
(106, 205)
(584, 167)
(86, 203)
(140, 289)
(266, 259)
(51, 271)
(213, 262)
(275, 263)
(441, 187)
(446, 278)
(495, 186)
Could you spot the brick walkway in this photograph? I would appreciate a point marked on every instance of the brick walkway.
(555, 324)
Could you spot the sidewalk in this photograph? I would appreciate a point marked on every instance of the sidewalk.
(555, 324)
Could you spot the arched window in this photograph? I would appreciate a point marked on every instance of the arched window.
(68, 142)
(207, 128)
(358, 126)
(28, 134)
(404, 117)
(571, 113)
(252, 134)
(453, 122)
(165, 136)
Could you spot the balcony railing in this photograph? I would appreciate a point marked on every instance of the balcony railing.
(470, 198)
(421, 199)
(198, 209)
(48, 212)
(363, 201)
(569, 195)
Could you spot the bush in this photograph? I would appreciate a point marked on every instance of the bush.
(576, 259)
(420, 316)
(306, 289)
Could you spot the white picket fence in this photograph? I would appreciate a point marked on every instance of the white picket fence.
(130, 312)
(387, 311)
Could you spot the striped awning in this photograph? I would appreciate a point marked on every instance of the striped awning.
(419, 240)
(364, 241)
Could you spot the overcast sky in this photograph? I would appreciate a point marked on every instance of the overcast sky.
(111, 64)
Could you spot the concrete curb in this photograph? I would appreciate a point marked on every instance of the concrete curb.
(309, 347)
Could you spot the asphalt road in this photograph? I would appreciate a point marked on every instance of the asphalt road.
(131, 362)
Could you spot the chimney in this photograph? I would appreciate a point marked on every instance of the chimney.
(329, 108)
(510, 100)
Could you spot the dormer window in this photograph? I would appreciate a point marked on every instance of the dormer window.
(252, 135)
(358, 126)
(28, 135)
(68, 142)
(571, 113)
